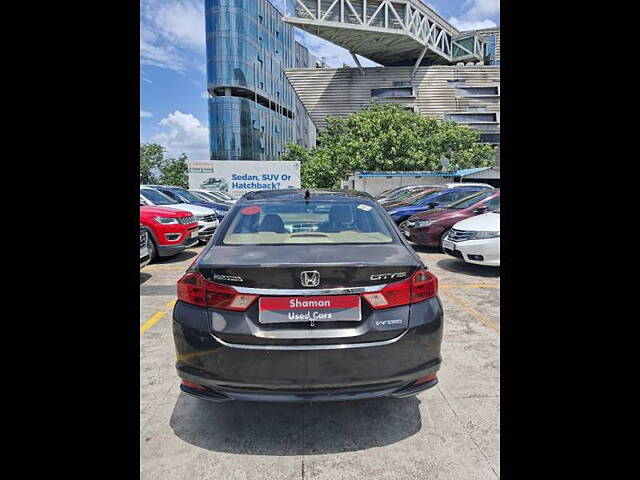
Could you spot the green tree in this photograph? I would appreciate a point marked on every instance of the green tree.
(156, 169)
(174, 172)
(151, 160)
(385, 138)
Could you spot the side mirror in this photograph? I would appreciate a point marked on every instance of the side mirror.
(432, 204)
(480, 209)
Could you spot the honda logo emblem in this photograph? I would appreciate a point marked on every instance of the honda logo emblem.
(310, 278)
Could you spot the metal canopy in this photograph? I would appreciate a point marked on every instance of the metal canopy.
(389, 32)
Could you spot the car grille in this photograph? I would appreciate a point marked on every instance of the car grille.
(459, 235)
(206, 218)
(187, 220)
(143, 237)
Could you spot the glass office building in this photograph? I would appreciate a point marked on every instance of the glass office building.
(253, 110)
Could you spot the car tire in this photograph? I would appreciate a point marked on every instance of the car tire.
(444, 234)
(153, 251)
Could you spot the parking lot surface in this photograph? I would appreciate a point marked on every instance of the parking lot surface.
(451, 431)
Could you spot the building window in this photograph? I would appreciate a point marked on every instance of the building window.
(401, 84)
(457, 83)
(393, 92)
(477, 91)
(476, 109)
(464, 117)
(260, 19)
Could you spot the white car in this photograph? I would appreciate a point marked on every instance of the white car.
(205, 217)
(216, 197)
(476, 239)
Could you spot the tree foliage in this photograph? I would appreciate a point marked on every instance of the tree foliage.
(156, 169)
(387, 138)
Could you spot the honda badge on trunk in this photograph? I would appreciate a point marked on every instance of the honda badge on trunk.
(310, 278)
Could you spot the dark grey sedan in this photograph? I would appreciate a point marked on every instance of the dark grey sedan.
(307, 296)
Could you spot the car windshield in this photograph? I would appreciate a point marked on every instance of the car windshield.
(471, 200)
(190, 197)
(213, 196)
(420, 196)
(270, 223)
(225, 196)
(156, 197)
(402, 194)
(204, 197)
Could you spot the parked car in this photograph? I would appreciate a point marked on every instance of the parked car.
(437, 198)
(170, 231)
(301, 306)
(413, 198)
(476, 239)
(205, 217)
(144, 246)
(180, 194)
(213, 197)
(429, 228)
(400, 193)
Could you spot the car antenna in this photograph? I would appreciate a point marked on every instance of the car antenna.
(307, 196)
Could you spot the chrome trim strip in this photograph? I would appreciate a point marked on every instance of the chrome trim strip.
(307, 291)
(338, 346)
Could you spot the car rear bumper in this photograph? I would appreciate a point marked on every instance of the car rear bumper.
(308, 373)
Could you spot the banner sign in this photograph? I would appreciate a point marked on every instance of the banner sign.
(237, 177)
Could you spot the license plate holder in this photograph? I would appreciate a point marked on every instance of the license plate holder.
(296, 309)
(449, 245)
(194, 234)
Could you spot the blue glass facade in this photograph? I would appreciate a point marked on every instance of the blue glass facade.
(253, 109)
(491, 49)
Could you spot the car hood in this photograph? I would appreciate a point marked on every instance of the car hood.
(168, 212)
(194, 209)
(487, 222)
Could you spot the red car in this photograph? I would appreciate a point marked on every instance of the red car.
(429, 228)
(170, 230)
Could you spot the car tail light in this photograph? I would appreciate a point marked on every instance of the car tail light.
(426, 379)
(192, 385)
(227, 298)
(193, 288)
(421, 286)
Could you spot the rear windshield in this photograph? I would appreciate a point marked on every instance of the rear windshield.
(301, 223)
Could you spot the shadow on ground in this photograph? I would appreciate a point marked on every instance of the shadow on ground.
(144, 277)
(459, 266)
(253, 428)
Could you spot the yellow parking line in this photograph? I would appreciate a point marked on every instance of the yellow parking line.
(474, 313)
(151, 322)
(171, 304)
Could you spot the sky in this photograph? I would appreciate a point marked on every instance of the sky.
(173, 97)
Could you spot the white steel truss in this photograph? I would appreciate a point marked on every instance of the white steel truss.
(396, 27)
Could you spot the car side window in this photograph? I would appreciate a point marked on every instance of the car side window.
(172, 195)
(493, 204)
